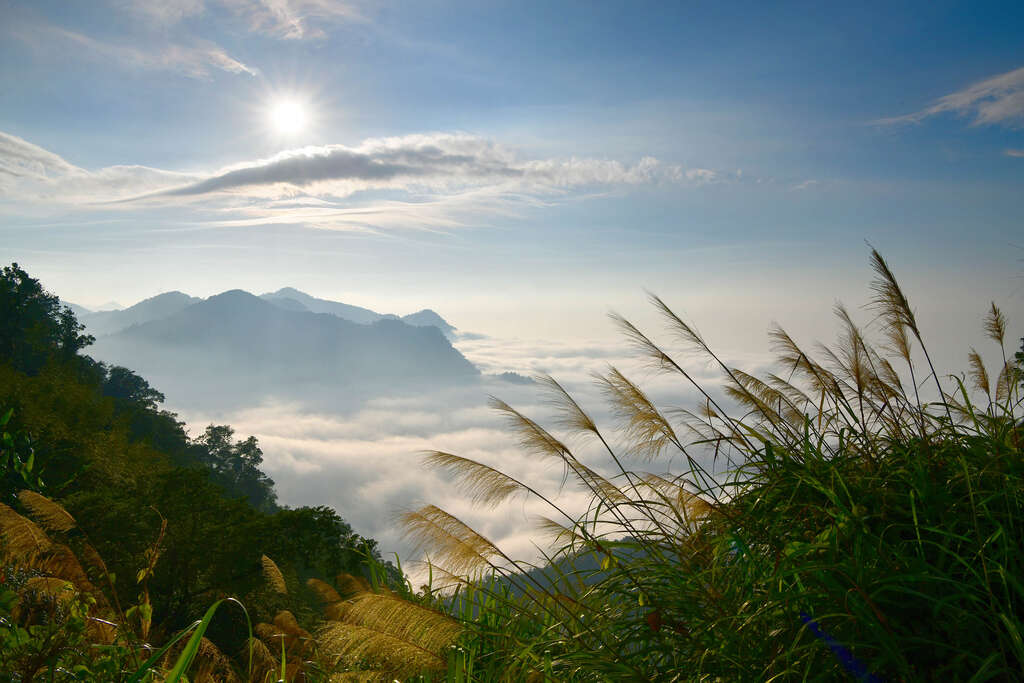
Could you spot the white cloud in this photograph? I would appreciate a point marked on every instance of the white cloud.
(294, 19)
(165, 12)
(436, 182)
(995, 100)
(21, 159)
(30, 173)
(438, 162)
(196, 58)
(282, 19)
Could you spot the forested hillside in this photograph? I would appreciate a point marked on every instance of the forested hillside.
(94, 438)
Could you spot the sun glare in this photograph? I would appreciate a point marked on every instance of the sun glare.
(288, 117)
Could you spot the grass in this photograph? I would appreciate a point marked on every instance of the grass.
(857, 531)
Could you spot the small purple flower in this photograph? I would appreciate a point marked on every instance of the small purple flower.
(853, 665)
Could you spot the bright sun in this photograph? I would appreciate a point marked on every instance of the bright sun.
(288, 117)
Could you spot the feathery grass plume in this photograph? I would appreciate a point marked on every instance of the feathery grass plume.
(324, 590)
(351, 645)
(90, 558)
(50, 515)
(461, 549)
(794, 359)
(269, 633)
(211, 666)
(570, 415)
(21, 540)
(1008, 378)
(263, 662)
(894, 310)
(102, 631)
(642, 423)
(689, 506)
(995, 325)
(610, 494)
(778, 403)
(890, 384)
(661, 361)
(700, 426)
(564, 535)
(50, 587)
(62, 562)
(348, 584)
(648, 350)
(801, 401)
(891, 303)
(273, 575)
(416, 624)
(483, 484)
(851, 357)
(532, 436)
(687, 333)
(286, 622)
(897, 342)
(768, 419)
(978, 373)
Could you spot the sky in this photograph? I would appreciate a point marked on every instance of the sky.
(521, 167)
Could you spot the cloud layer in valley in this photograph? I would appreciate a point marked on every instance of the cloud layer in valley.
(365, 461)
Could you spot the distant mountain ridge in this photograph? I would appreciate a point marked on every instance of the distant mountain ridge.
(236, 344)
(100, 323)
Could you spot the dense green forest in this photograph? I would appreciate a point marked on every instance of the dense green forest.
(94, 438)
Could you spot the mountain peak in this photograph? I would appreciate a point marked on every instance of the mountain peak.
(290, 293)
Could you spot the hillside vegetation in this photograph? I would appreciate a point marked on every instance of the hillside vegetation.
(199, 512)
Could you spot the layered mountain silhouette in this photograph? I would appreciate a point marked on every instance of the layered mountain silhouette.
(105, 322)
(100, 323)
(236, 346)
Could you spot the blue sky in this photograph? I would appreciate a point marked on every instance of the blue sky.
(521, 166)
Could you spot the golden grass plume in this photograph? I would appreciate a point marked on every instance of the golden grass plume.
(461, 549)
(50, 515)
(272, 574)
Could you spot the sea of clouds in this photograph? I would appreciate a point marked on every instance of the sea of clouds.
(364, 458)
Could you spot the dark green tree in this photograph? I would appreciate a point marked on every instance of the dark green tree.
(34, 327)
(236, 464)
(123, 384)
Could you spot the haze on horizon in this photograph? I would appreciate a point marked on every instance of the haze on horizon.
(518, 167)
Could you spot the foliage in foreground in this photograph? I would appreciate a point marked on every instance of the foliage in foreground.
(834, 525)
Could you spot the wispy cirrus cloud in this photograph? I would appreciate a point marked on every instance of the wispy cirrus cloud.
(295, 19)
(193, 58)
(998, 100)
(282, 19)
(33, 174)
